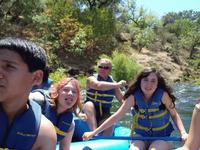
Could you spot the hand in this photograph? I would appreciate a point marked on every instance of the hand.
(198, 103)
(82, 116)
(88, 135)
(184, 136)
(122, 83)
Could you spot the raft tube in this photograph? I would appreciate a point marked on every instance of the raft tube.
(98, 144)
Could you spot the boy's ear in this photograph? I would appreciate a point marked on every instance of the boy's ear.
(38, 77)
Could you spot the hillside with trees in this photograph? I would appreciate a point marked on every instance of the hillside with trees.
(76, 33)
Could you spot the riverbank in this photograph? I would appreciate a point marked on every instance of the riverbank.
(172, 70)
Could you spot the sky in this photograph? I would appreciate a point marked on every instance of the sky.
(162, 7)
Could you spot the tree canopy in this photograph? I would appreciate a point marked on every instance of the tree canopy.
(88, 28)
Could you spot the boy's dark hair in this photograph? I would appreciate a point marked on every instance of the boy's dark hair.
(33, 55)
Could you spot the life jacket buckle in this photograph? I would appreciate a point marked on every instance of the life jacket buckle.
(143, 116)
(142, 111)
(150, 131)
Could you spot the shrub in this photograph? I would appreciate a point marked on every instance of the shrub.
(123, 67)
(198, 81)
(58, 75)
(82, 81)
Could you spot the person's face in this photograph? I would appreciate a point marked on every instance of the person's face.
(15, 79)
(104, 69)
(149, 84)
(67, 96)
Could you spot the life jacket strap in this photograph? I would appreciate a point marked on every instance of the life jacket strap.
(60, 132)
(153, 129)
(141, 110)
(134, 121)
(153, 116)
(99, 94)
(99, 101)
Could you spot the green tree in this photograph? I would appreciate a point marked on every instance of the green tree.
(94, 4)
(144, 38)
(21, 9)
(190, 36)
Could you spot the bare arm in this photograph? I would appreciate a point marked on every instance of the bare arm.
(65, 143)
(93, 83)
(167, 101)
(119, 95)
(125, 107)
(193, 141)
(47, 134)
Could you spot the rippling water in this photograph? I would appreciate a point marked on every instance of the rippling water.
(186, 94)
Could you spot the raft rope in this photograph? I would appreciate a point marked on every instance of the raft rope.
(171, 138)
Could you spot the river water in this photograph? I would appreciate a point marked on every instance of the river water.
(186, 94)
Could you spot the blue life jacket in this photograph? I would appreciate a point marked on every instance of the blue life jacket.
(102, 98)
(45, 86)
(61, 122)
(153, 119)
(23, 131)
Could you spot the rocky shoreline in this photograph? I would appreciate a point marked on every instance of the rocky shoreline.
(169, 68)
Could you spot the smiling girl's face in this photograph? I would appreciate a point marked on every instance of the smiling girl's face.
(68, 96)
(149, 85)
